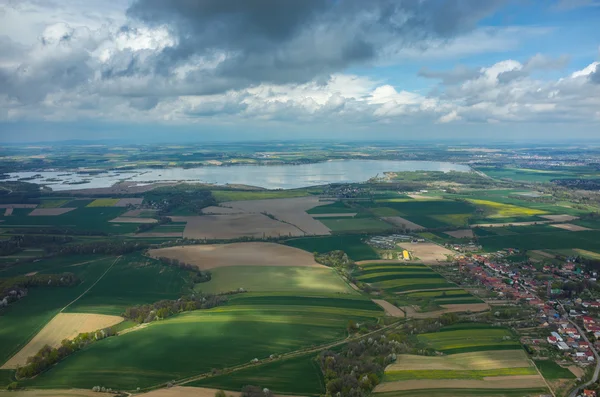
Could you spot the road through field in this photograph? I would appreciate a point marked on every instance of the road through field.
(91, 286)
(295, 353)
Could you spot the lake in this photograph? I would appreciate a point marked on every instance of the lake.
(270, 177)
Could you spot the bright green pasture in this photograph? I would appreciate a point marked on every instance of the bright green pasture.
(275, 278)
(134, 280)
(551, 370)
(392, 376)
(196, 342)
(337, 207)
(475, 338)
(298, 376)
(52, 203)
(21, 320)
(355, 224)
(103, 202)
(350, 244)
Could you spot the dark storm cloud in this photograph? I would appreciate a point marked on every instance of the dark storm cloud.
(281, 41)
(595, 76)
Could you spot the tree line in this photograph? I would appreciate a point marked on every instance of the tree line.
(110, 247)
(48, 356)
(14, 288)
(197, 276)
(167, 308)
(166, 200)
(18, 243)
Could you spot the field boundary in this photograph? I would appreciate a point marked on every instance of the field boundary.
(91, 286)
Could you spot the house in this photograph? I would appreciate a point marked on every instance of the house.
(552, 340)
(589, 393)
(562, 346)
(557, 336)
(589, 355)
(588, 320)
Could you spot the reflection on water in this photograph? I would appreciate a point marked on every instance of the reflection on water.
(270, 177)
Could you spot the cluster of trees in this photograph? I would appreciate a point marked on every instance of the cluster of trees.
(166, 200)
(338, 259)
(17, 243)
(19, 192)
(48, 356)
(167, 308)
(357, 369)
(13, 289)
(60, 231)
(252, 391)
(197, 275)
(144, 227)
(111, 247)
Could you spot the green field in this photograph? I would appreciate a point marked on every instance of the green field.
(23, 319)
(355, 302)
(562, 239)
(398, 277)
(430, 214)
(134, 280)
(297, 376)
(275, 278)
(87, 218)
(351, 245)
(531, 175)
(534, 392)
(52, 203)
(392, 376)
(470, 338)
(103, 202)
(551, 370)
(239, 195)
(196, 342)
(337, 207)
(355, 224)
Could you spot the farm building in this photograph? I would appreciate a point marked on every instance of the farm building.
(406, 255)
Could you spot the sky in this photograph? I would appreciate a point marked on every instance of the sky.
(158, 70)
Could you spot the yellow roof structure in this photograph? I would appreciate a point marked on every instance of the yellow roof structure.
(406, 255)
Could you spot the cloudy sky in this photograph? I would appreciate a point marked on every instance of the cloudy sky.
(289, 69)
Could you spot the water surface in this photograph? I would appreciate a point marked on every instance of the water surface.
(270, 177)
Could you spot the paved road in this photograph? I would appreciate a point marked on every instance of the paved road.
(596, 370)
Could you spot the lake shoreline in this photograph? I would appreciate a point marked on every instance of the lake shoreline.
(260, 176)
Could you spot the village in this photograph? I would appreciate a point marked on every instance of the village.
(566, 311)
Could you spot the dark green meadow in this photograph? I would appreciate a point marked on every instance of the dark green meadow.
(337, 207)
(297, 376)
(94, 219)
(348, 302)
(134, 280)
(551, 370)
(350, 244)
(561, 239)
